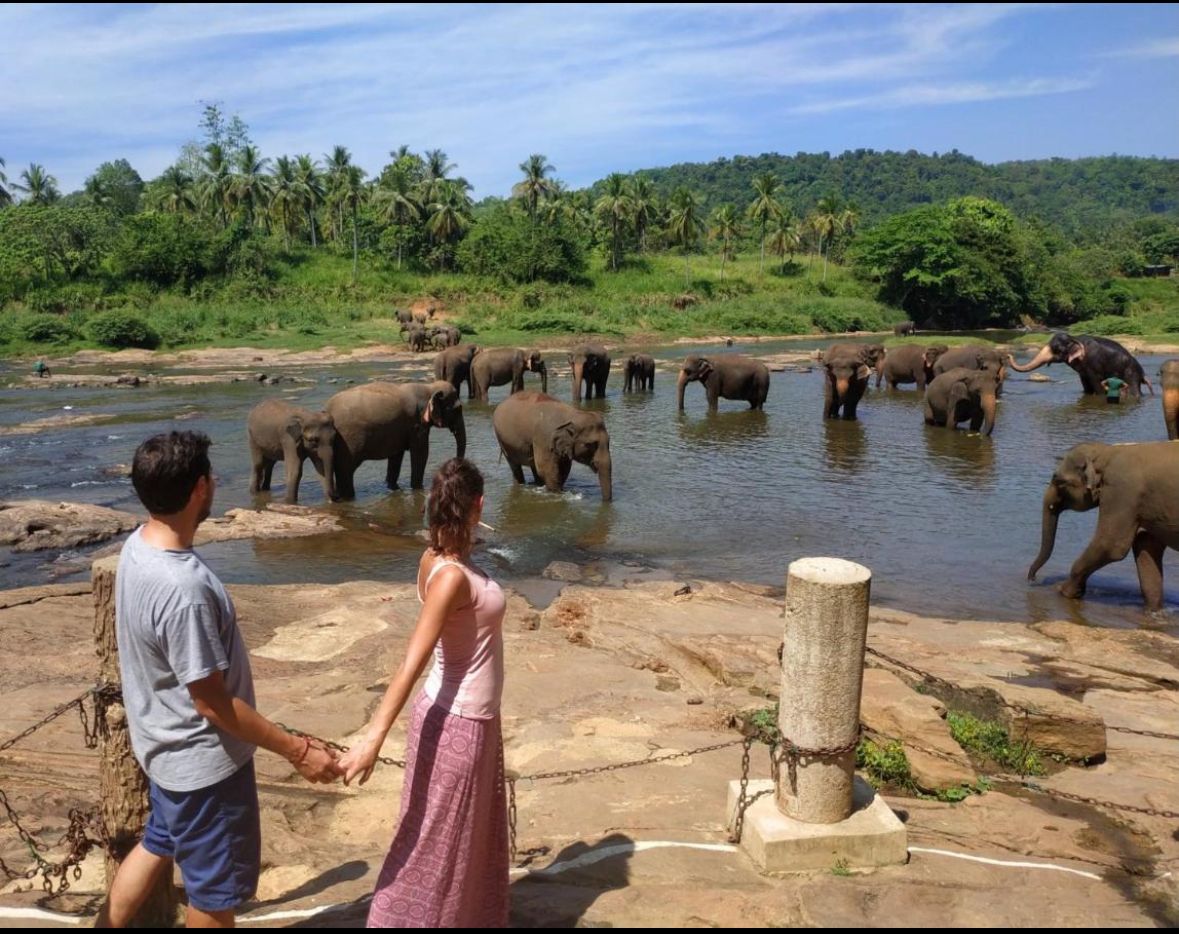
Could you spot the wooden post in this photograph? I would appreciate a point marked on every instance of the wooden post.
(122, 784)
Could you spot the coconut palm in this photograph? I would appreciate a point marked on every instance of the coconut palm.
(828, 221)
(450, 213)
(644, 207)
(535, 185)
(684, 223)
(251, 186)
(337, 163)
(286, 198)
(5, 194)
(614, 208)
(436, 166)
(310, 187)
(216, 187)
(764, 208)
(352, 192)
(395, 201)
(39, 186)
(174, 191)
(785, 237)
(726, 227)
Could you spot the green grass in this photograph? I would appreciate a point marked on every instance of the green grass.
(990, 740)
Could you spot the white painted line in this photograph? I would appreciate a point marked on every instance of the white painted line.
(39, 914)
(595, 856)
(1006, 862)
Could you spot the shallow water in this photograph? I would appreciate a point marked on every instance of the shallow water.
(947, 521)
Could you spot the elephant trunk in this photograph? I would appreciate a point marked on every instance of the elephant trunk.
(327, 470)
(841, 388)
(544, 377)
(988, 403)
(679, 388)
(458, 427)
(1044, 357)
(1051, 516)
(602, 467)
(578, 373)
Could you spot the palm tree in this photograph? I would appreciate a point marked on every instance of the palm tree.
(395, 200)
(337, 163)
(5, 194)
(614, 207)
(764, 208)
(39, 186)
(251, 187)
(175, 192)
(726, 227)
(437, 165)
(828, 222)
(352, 190)
(450, 213)
(644, 207)
(310, 187)
(534, 186)
(684, 223)
(285, 195)
(785, 237)
(216, 188)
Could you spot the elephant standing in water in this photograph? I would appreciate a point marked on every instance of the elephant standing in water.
(961, 394)
(1169, 375)
(639, 373)
(726, 376)
(1136, 489)
(1094, 359)
(848, 367)
(506, 365)
(454, 365)
(904, 328)
(547, 436)
(381, 421)
(908, 363)
(591, 365)
(278, 431)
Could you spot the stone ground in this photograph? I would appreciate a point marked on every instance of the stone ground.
(608, 674)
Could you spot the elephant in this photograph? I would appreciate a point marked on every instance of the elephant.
(904, 328)
(1169, 376)
(506, 365)
(960, 394)
(404, 318)
(416, 338)
(1094, 359)
(728, 376)
(908, 363)
(1135, 487)
(547, 436)
(591, 365)
(454, 365)
(639, 372)
(848, 368)
(278, 431)
(443, 336)
(381, 421)
(973, 357)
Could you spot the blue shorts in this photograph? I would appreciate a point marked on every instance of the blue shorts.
(214, 835)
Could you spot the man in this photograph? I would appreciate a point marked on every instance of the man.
(41, 369)
(189, 697)
(1114, 388)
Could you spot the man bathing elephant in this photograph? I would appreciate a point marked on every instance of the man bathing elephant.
(506, 365)
(908, 363)
(279, 431)
(547, 436)
(726, 376)
(1094, 359)
(959, 395)
(848, 367)
(1135, 487)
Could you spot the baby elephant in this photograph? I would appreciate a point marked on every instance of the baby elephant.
(280, 431)
(639, 371)
(960, 394)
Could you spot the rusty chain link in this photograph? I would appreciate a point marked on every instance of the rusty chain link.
(1098, 802)
(328, 744)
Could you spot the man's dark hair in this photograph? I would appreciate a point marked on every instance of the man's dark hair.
(166, 469)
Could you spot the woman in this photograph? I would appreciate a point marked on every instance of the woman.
(448, 865)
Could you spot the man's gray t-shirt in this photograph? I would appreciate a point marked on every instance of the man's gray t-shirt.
(176, 625)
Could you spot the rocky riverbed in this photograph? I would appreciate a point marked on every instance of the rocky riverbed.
(640, 670)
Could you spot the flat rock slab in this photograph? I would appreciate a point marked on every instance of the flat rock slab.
(277, 520)
(34, 524)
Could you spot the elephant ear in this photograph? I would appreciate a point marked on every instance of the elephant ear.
(705, 367)
(432, 405)
(563, 438)
(1091, 474)
(294, 427)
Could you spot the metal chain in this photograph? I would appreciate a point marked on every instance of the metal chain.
(53, 715)
(328, 744)
(1097, 802)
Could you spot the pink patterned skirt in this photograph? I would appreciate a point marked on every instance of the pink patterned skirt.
(448, 865)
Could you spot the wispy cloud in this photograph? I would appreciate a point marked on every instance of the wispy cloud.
(1155, 48)
(935, 95)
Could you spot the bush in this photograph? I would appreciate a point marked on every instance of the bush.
(122, 328)
(47, 329)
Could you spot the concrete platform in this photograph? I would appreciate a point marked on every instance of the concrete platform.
(873, 835)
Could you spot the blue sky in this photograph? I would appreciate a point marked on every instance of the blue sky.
(595, 88)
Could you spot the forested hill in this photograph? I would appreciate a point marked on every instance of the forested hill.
(1080, 197)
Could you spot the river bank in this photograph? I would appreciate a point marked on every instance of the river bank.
(642, 668)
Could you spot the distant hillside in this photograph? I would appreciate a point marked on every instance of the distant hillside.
(1078, 196)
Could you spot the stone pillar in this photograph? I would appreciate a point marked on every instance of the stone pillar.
(122, 784)
(822, 675)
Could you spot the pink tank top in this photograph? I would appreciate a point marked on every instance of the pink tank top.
(467, 679)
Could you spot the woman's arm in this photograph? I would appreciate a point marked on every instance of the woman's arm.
(448, 592)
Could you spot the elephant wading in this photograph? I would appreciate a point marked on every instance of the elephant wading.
(904, 328)
(591, 365)
(848, 367)
(454, 365)
(1169, 375)
(726, 376)
(639, 372)
(547, 436)
(506, 365)
(278, 431)
(1135, 487)
(1094, 359)
(908, 363)
(381, 421)
(961, 394)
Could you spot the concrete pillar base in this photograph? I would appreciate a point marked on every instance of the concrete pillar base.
(873, 835)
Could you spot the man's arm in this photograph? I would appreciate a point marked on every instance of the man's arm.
(234, 716)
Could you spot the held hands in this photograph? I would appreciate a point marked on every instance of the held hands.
(359, 760)
(317, 764)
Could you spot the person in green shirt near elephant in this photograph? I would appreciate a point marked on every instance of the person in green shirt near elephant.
(1114, 388)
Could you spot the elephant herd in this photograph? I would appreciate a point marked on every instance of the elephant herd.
(1135, 486)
